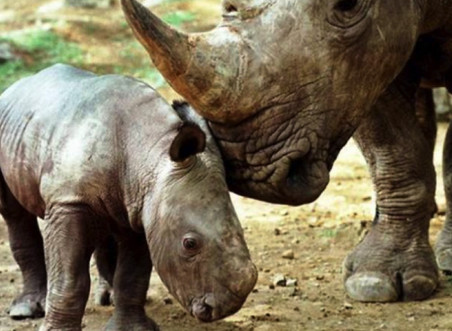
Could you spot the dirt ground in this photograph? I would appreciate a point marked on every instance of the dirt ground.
(319, 234)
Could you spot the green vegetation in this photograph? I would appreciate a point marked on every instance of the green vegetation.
(328, 233)
(39, 49)
(178, 17)
(134, 61)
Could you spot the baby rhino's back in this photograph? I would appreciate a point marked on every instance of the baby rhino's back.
(61, 135)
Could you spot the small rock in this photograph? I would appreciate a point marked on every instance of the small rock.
(295, 293)
(279, 280)
(320, 277)
(289, 254)
(284, 212)
(348, 305)
(264, 327)
(296, 241)
(291, 282)
(277, 231)
(6, 54)
(168, 301)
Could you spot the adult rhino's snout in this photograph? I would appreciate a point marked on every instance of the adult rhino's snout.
(305, 180)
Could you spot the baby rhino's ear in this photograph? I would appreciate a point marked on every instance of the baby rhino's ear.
(190, 140)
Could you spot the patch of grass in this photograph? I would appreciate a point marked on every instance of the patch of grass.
(328, 233)
(134, 61)
(179, 17)
(40, 49)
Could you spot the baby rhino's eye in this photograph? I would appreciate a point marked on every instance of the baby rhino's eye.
(190, 244)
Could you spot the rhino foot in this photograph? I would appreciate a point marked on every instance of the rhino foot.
(103, 295)
(27, 306)
(130, 322)
(443, 249)
(444, 259)
(385, 270)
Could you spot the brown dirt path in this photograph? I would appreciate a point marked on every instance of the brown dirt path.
(320, 235)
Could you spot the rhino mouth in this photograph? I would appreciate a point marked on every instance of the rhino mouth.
(306, 179)
(295, 179)
(202, 308)
(209, 308)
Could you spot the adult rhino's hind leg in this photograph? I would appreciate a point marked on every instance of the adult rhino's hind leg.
(395, 261)
(26, 244)
(443, 247)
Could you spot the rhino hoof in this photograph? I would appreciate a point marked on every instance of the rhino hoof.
(371, 287)
(24, 310)
(418, 287)
(104, 298)
(444, 260)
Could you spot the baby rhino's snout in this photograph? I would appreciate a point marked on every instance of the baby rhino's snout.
(202, 308)
(246, 280)
(230, 296)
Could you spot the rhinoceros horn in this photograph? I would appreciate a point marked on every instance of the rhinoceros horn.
(202, 67)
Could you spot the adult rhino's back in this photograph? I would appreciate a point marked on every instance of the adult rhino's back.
(63, 139)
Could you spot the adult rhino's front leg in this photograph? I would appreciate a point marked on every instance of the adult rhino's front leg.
(395, 261)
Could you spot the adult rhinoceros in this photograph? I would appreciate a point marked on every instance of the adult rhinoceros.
(286, 83)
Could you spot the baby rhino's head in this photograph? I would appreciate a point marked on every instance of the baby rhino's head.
(194, 235)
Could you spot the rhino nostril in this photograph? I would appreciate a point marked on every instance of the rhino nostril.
(297, 171)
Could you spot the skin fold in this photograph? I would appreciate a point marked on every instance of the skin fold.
(102, 157)
(285, 84)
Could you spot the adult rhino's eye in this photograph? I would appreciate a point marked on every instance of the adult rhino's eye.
(229, 8)
(230, 11)
(348, 13)
(346, 5)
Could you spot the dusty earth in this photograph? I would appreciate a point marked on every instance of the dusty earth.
(319, 235)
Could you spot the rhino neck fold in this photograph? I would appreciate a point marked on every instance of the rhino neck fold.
(437, 15)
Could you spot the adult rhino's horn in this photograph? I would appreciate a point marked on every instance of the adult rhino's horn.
(184, 60)
(169, 49)
(189, 62)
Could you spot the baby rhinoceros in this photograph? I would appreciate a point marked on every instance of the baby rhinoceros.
(94, 155)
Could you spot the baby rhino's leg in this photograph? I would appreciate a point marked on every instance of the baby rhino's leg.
(106, 258)
(26, 244)
(69, 239)
(130, 284)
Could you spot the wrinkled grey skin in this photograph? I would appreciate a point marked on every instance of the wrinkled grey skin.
(105, 155)
(284, 85)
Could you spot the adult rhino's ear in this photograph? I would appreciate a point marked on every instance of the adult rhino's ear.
(190, 140)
